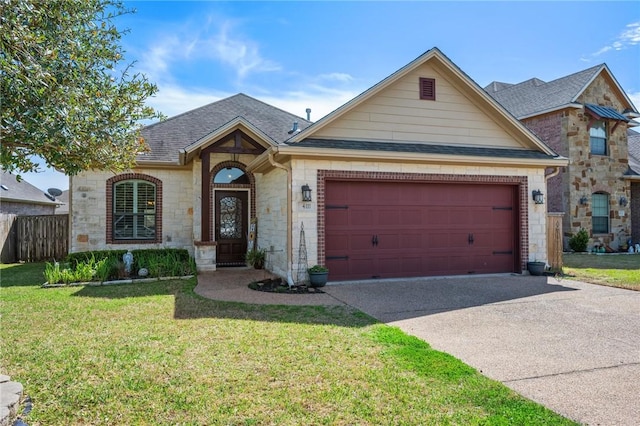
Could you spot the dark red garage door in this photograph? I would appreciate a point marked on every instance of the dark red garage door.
(409, 229)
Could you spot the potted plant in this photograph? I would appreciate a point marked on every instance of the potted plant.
(318, 275)
(536, 268)
(256, 257)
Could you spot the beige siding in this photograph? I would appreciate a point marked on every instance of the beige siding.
(396, 114)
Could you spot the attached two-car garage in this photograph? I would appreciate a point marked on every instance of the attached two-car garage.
(389, 229)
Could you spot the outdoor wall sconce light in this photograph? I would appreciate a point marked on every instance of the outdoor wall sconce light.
(538, 196)
(623, 201)
(306, 193)
(584, 200)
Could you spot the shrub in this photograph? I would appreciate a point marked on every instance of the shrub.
(104, 265)
(578, 241)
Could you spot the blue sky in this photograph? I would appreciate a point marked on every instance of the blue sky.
(319, 55)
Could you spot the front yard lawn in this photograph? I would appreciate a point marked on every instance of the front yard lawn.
(156, 353)
(619, 270)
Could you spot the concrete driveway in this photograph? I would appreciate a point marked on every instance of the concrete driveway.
(571, 346)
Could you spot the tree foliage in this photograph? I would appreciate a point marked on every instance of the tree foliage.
(67, 95)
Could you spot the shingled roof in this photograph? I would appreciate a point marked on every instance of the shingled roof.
(22, 191)
(168, 137)
(633, 139)
(535, 96)
(419, 148)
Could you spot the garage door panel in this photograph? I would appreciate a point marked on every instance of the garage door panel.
(421, 228)
(337, 243)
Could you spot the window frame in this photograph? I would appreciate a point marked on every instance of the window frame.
(112, 217)
(597, 206)
(595, 125)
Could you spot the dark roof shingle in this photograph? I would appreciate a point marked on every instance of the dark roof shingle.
(21, 191)
(423, 148)
(166, 138)
(534, 95)
(633, 140)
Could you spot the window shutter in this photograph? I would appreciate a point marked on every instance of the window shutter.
(428, 89)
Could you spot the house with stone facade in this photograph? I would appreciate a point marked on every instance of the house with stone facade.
(422, 174)
(584, 117)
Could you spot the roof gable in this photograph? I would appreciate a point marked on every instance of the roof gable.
(534, 96)
(391, 111)
(168, 138)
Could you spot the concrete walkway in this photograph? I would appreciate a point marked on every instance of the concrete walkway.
(571, 346)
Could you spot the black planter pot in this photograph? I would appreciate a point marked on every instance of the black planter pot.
(318, 279)
(536, 268)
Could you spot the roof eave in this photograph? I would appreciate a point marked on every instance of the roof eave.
(187, 153)
(574, 105)
(367, 155)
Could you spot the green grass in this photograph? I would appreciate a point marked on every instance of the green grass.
(158, 354)
(612, 270)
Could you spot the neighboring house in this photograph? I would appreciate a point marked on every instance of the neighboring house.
(422, 174)
(22, 198)
(63, 199)
(634, 180)
(584, 117)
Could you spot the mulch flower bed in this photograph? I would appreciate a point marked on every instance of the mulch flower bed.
(276, 285)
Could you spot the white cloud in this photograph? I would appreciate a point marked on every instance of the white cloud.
(337, 76)
(173, 99)
(242, 55)
(635, 98)
(630, 36)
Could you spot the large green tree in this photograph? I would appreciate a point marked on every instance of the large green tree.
(67, 94)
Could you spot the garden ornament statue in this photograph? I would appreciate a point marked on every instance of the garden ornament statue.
(127, 258)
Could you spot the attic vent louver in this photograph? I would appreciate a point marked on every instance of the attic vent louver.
(428, 89)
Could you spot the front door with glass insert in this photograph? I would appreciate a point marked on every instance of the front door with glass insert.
(231, 227)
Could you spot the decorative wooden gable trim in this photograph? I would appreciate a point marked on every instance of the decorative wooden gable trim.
(428, 89)
(236, 136)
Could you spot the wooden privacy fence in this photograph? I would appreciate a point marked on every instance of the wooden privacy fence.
(41, 238)
(554, 240)
(8, 238)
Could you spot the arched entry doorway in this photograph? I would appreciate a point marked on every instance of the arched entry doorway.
(231, 197)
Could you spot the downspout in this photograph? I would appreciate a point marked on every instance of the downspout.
(552, 174)
(289, 218)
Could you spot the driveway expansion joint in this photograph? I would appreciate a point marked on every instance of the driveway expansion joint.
(568, 373)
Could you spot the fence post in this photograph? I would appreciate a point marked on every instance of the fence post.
(554, 240)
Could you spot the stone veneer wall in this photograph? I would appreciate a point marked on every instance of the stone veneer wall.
(533, 238)
(271, 210)
(89, 210)
(567, 133)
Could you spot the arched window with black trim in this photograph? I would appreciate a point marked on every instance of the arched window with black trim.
(600, 213)
(134, 210)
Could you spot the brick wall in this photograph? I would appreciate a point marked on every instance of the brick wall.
(635, 212)
(552, 129)
(26, 209)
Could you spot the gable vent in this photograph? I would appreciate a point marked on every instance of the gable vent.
(428, 89)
